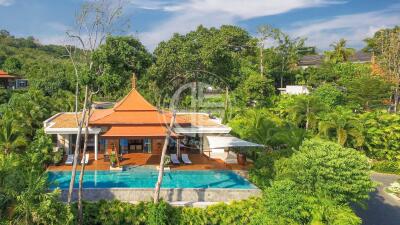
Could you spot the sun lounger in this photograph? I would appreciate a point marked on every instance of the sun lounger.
(70, 160)
(85, 159)
(174, 159)
(185, 159)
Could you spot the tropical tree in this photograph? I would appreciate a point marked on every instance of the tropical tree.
(95, 21)
(11, 139)
(255, 90)
(324, 168)
(386, 43)
(265, 32)
(211, 56)
(117, 59)
(299, 207)
(305, 110)
(340, 52)
(330, 95)
(12, 65)
(382, 135)
(368, 91)
(342, 124)
(263, 127)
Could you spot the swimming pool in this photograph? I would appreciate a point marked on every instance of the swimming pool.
(146, 178)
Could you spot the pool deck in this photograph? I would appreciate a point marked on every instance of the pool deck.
(199, 162)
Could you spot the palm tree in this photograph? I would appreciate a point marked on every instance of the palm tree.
(340, 52)
(10, 138)
(343, 124)
(269, 133)
(305, 109)
(289, 136)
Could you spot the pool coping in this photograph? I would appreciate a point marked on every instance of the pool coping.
(168, 194)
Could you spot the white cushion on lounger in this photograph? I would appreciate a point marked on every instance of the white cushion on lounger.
(85, 159)
(185, 159)
(70, 160)
(174, 159)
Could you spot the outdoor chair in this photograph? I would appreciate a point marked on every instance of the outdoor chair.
(85, 159)
(185, 159)
(174, 159)
(70, 160)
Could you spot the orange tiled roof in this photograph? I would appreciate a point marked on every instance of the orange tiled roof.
(4, 74)
(136, 131)
(129, 117)
(131, 110)
(134, 101)
(65, 120)
(196, 120)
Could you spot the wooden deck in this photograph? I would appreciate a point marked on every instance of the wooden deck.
(199, 162)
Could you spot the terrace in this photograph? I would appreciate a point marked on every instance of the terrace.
(199, 162)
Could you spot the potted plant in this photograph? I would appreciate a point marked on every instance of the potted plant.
(58, 156)
(167, 160)
(241, 157)
(113, 159)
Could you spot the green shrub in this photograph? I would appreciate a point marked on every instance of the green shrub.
(193, 216)
(386, 167)
(160, 214)
(58, 156)
(147, 213)
(263, 171)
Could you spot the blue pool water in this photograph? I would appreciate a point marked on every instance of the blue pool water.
(146, 178)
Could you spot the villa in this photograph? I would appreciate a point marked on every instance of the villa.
(204, 168)
(136, 130)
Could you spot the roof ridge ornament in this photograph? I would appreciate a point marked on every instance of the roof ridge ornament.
(133, 80)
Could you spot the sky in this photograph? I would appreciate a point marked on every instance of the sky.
(322, 22)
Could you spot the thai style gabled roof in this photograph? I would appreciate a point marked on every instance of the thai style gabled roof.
(134, 101)
(133, 109)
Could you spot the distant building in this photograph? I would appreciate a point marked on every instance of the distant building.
(294, 90)
(8, 81)
(316, 60)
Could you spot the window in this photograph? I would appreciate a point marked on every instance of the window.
(147, 145)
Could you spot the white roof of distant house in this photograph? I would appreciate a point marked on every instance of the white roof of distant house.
(294, 90)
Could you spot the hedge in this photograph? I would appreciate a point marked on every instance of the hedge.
(147, 213)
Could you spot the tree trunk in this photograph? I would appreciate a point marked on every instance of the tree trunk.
(308, 115)
(80, 206)
(396, 98)
(262, 59)
(77, 148)
(161, 168)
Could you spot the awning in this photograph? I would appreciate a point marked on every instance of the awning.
(137, 131)
(229, 141)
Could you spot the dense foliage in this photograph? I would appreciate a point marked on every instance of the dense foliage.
(115, 212)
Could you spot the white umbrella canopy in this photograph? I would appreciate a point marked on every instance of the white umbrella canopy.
(229, 142)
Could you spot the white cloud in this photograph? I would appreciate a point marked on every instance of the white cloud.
(354, 27)
(187, 15)
(6, 2)
(152, 4)
(246, 9)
